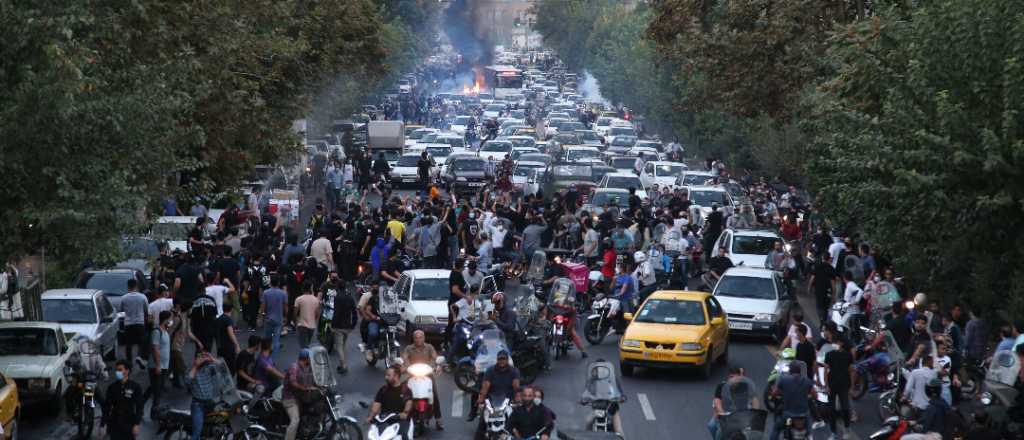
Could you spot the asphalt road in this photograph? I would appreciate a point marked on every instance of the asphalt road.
(660, 404)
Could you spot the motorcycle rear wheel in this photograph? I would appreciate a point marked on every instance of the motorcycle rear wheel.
(593, 332)
(466, 378)
(887, 405)
(346, 430)
(86, 420)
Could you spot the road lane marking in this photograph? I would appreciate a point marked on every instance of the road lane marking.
(457, 398)
(645, 405)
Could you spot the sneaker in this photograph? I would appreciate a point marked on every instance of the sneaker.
(818, 425)
(140, 363)
(362, 347)
(284, 331)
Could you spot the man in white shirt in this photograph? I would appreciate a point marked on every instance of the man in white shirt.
(834, 250)
(218, 291)
(916, 382)
(853, 294)
(322, 251)
(163, 302)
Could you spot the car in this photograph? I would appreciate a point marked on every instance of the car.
(598, 170)
(496, 149)
(590, 138)
(675, 328)
(647, 153)
(524, 178)
(694, 178)
(466, 175)
(603, 125)
(582, 154)
(460, 124)
(85, 312)
(624, 164)
(493, 110)
(10, 407)
(566, 139)
(620, 144)
(415, 136)
(623, 181)
(564, 175)
(706, 196)
(113, 282)
(174, 230)
(602, 197)
(32, 354)
(663, 173)
(626, 130)
(425, 294)
(657, 146)
(522, 142)
(518, 152)
(405, 172)
(551, 126)
(454, 140)
(141, 254)
(755, 301)
(537, 157)
(748, 248)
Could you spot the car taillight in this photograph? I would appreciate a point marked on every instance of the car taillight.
(559, 319)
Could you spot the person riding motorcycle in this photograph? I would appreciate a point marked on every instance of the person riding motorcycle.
(794, 390)
(938, 418)
(503, 315)
(645, 276)
(393, 398)
(466, 312)
(499, 382)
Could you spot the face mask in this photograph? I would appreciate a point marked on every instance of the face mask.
(877, 279)
(119, 375)
(537, 401)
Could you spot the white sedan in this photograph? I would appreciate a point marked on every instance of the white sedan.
(623, 181)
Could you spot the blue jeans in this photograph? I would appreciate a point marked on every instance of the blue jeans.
(198, 415)
(713, 427)
(272, 331)
(453, 249)
(372, 333)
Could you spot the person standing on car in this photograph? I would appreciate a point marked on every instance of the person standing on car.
(122, 410)
(423, 166)
(134, 305)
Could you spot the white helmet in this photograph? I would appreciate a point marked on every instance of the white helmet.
(639, 257)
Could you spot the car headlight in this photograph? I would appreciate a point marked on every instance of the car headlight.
(631, 343)
(461, 179)
(37, 384)
(764, 317)
(690, 346)
(426, 319)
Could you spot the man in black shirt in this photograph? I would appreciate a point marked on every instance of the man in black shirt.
(423, 171)
(122, 410)
(899, 327)
(244, 363)
(393, 398)
(823, 277)
(188, 283)
(530, 420)
(805, 350)
(838, 374)
(346, 315)
(456, 290)
(717, 267)
(921, 341)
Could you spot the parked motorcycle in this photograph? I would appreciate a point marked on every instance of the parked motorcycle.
(602, 392)
(602, 319)
(386, 427)
(322, 417)
(82, 371)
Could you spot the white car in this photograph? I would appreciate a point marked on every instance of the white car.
(496, 149)
(704, 197)
(518, 152)
(405, 172)
(749, 248)
(85, 312)
(493, 110)
(33, 353)
(524, 178)
(648, 153)
(460, 125)
(694, 178)
(424, 293)
(623, 181)
(174, 230)
(662, 173)
(755, 301)
(417, 134)
(604, 125)
(605, 196)
(582, 154)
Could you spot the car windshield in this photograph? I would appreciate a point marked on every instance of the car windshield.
(588, 135)
(572, 172)
(623, 141)
(624, 162)
(745, 287)
(535, 157)
(575, 155)
(670, 311)
(113, 283)
(172, 231)
(610, 198)
(408, 161)
(695, 179)
(28, 342)
(572, 126)
(495, 107)
(523, 171)
(140, 248)
(523, 142)
(468, 165)
(417, 134)
(604, 122)
(439, 152)
(462, 120)
(624, 182)
(428, 138)
(706, 198)
(430, 289)
(748, 245)
(668, 170)
(622, 131)
(454, 142)
(497, 146)
(69, 311)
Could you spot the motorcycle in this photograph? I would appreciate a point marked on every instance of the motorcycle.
(422, 388)
(848, 319)
(604, 317)
(388, 347)
(999, 393)
(483, 354)
(386, 427)
(322, 416)
(741, 419)
(325, 333)
(877, 367)
(781, 367)
(82, 371)
(496, 419)
(602, 392)
(893, 429)
(562, 296)
(223, 421)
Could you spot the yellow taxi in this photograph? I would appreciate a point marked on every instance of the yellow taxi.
(10, 408)
(675, 328)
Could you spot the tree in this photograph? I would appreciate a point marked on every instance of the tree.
(921, 147)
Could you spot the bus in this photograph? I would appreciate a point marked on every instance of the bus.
(503, 77)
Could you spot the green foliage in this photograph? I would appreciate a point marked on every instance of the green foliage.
(104, 103)
(920, 146)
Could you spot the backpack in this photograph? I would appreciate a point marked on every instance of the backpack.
(203, 311)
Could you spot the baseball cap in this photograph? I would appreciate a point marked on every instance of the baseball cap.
(304, 354)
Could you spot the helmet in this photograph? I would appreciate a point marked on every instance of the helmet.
(639, 257)
(497, 297)
(920, 299)
(789, 353)
(933, 388)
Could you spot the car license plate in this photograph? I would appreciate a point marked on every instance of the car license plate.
(409, 180)
(736, 325)
(656, 355)
(558, 330)
(476, 184)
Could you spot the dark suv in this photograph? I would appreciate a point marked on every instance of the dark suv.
(466, 175)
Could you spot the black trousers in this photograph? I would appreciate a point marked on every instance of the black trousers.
(156, 387)
(839, 396)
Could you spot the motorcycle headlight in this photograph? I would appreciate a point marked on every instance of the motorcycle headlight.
(788, 247)
(631, 343)
(764, 317)
(986, 398)
(690, 346)
(426, 319)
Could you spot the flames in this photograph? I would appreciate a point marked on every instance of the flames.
(475, 90)
(478, 83)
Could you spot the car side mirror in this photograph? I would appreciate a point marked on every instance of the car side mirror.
(627, 316)
(718, 320)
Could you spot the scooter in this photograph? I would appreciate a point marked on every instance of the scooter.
(893, 429)
(387, 427)
(421, 385)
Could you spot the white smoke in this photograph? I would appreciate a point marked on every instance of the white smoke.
(590, 89)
